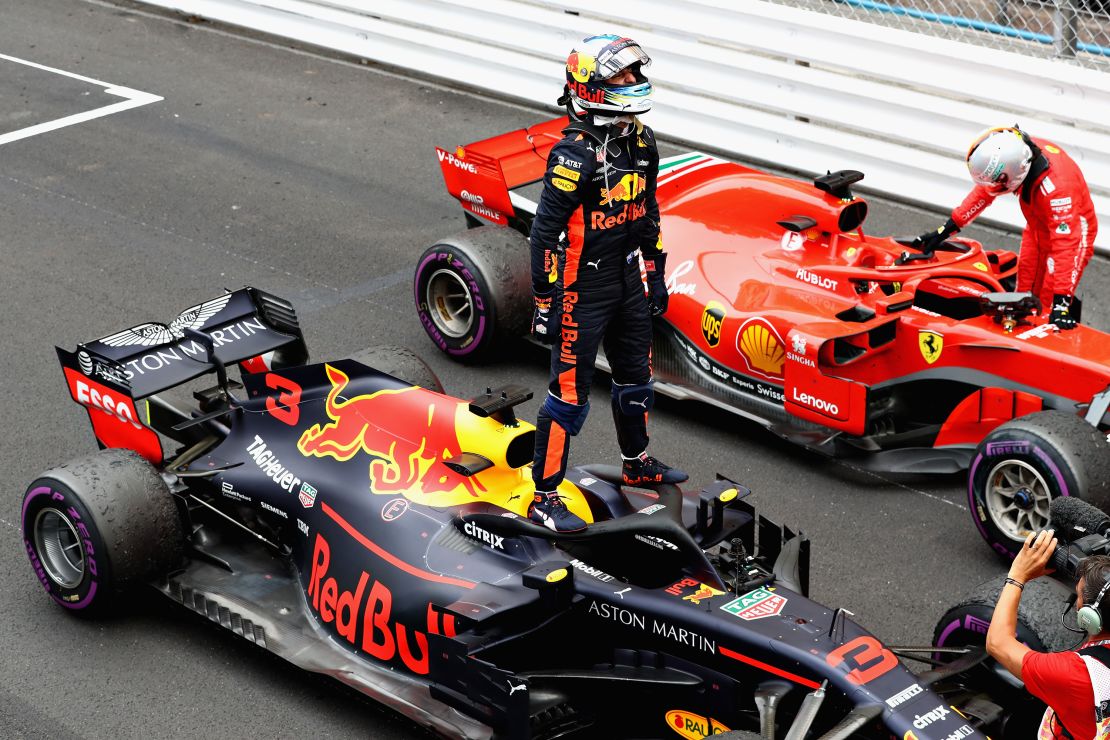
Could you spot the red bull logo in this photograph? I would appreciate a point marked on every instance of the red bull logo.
(364, 618)
(408, 458)
(581, 66)
(631, 211)
(630, 186)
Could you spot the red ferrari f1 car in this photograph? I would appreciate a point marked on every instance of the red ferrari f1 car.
(375, 530)
(783, 311)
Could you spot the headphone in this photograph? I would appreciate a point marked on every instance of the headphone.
(1089, 618)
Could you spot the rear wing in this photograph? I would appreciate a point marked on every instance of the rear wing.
(481, 174)
(111, 376)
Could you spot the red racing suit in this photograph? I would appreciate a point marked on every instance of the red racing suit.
(599, 190)
(1060, 223)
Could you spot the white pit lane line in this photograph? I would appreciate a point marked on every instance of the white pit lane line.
(131, 99)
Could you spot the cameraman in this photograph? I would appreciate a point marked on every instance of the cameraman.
(1074, 684)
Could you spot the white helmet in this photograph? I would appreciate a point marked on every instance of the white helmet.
(1000, 158)
(596, 59)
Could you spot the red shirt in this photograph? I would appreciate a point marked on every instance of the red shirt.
(1061, 681)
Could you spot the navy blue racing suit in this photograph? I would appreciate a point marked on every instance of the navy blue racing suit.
(598, 191)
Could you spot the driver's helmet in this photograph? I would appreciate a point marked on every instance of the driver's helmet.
(594, 60)
(1000, 158)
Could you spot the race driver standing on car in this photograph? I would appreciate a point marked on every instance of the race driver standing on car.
(1060, 218)
(598, 267)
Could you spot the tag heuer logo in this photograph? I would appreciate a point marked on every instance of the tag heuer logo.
(756, 604)
(307, 495)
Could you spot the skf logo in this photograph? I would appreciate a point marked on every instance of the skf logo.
(630, 186)
(931, 345)
(693, 726)
(712, 321)
(761, 347)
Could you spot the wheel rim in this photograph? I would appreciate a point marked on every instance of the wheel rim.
(450, 303)
(59, 548)
(1018, 499)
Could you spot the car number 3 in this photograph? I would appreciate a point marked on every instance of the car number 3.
(869, 658)
(285, 407)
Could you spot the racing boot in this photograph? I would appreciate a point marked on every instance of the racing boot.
(549, 510)
(645, 471)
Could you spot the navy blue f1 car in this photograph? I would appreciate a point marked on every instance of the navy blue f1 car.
(374, 529)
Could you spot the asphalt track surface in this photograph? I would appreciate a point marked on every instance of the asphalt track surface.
(315, 179)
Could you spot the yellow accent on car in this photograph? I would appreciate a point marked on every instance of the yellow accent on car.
(556, 575)
(728, 494)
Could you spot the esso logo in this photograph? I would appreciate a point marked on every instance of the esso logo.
(89, 396)
(472, 197)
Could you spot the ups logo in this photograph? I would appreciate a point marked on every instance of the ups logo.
(712, 319)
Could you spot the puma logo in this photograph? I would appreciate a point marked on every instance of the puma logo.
(595, 263)
(641, 404)
(514, 689)
(622, 593)
(515, 495)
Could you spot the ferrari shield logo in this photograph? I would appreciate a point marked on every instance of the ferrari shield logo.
(931, 345)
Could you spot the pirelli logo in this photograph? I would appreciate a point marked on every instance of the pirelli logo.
(566, 172)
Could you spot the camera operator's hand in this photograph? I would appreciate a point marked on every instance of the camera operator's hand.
(1033, 559)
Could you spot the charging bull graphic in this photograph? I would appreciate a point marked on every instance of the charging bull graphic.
(627, 188)
(407, 459)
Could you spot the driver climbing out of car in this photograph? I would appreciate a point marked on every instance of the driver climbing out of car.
(1075, 684)
(598, 267)
(1060, 218)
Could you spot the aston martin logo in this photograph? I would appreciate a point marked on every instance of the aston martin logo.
(931, 345)
(149, 335)
(761, 347)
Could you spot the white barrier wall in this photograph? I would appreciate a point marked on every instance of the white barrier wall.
(802, 90)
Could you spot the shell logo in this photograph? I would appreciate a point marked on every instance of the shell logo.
(761, 347)
(693, 726)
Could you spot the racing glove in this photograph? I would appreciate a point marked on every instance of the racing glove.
(543, 318)
(930, 240)
(658, 298)
(1061, 312)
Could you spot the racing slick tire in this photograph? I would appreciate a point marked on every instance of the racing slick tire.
(98, 525)
(400, 362)
(1025, 463)
(473, 291)
(1039, 627)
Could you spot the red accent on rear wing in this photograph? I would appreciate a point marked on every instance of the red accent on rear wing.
(481, 174)
(116, 418)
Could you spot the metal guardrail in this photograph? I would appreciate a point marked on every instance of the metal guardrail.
(802, 90)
